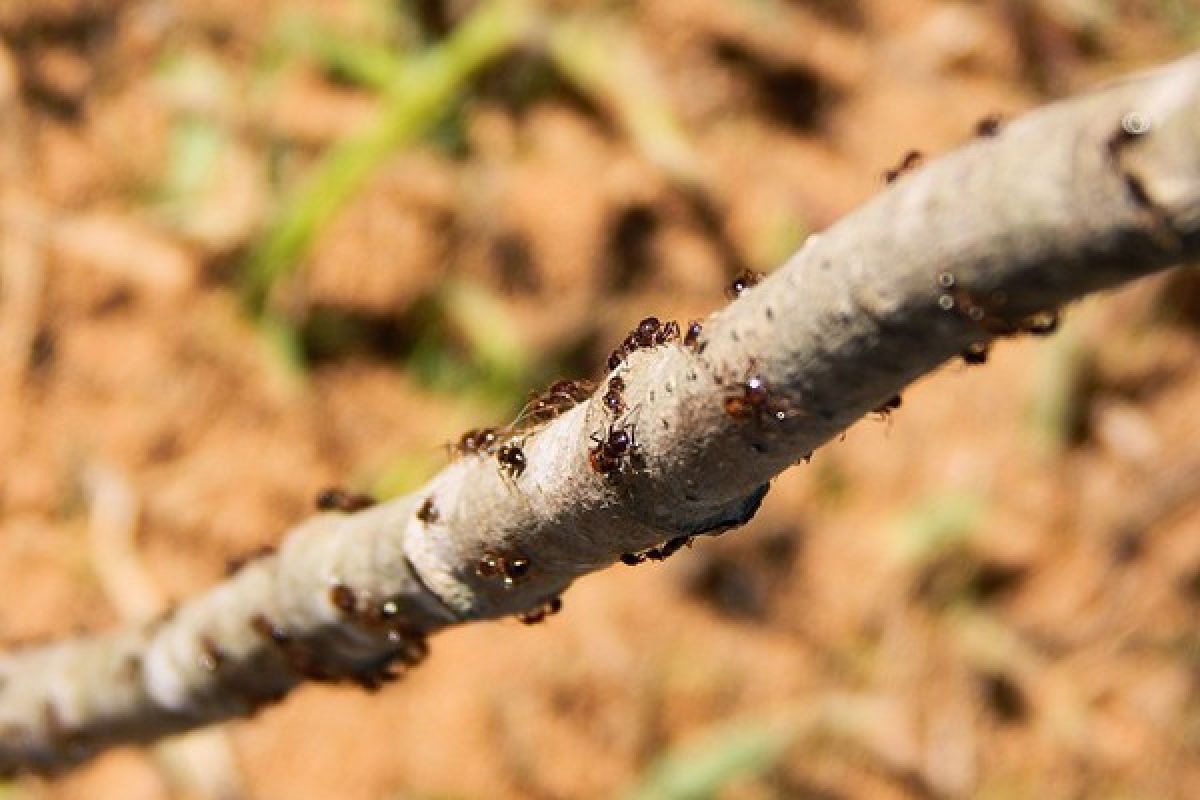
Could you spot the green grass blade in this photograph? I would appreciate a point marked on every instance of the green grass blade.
(701, 769)
(424, 88)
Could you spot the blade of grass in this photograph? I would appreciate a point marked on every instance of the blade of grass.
(372, 64)
(606, 62)
(424, 87)
(938, 524)
(701, 769)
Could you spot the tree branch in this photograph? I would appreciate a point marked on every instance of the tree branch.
(1071, 199)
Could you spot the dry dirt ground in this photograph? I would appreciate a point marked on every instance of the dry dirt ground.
(992, 593)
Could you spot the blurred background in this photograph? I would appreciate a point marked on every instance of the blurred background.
(251, 249)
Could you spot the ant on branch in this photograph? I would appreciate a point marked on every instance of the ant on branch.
(476, 440)
(911, 159)
(650, 332)
(555, 400)
(753, 399)
(613, 400)
(335, 499)
(744, 280)
(885, 409)
(989, 126)
(986, 314)
(428, 512)
(547, 608)
(511, 570)
(610, 453)
(660, 553)
(512, 460)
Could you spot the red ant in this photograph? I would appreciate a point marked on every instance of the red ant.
(754, 400)
(976, 353)
(476, 440)
(660, 553)
(744, 280)
(692, 338)
(559, 398)
(609, 454)
(335, 499)
(535, 615)
(428, 512)
(612, 398)
(648, 333)
(911, 159)
(986, 315)
(491, 565)
(512, 460)
(885, 408)
(989, 125)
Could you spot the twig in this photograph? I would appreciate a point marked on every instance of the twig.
(1075, 198)
(198, 764)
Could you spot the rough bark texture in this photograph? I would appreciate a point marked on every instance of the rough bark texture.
(1071, 199)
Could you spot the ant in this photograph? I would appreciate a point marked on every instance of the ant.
(615, 358)
(612, 398)
(744, 280)
(335, 499)
(976, 353)
(989, 125)
(692, 337)
(754, 400)
(237, 562)
(607, 457)
(986, 313)
(547, 608)
(512, 460)
(660, 553)
(648, 333)
(911, 159)
(669, 332)
(491, 565)
(476, 440)
(428, 512)
(559, 398)
(1042, 324)
(885, 408)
